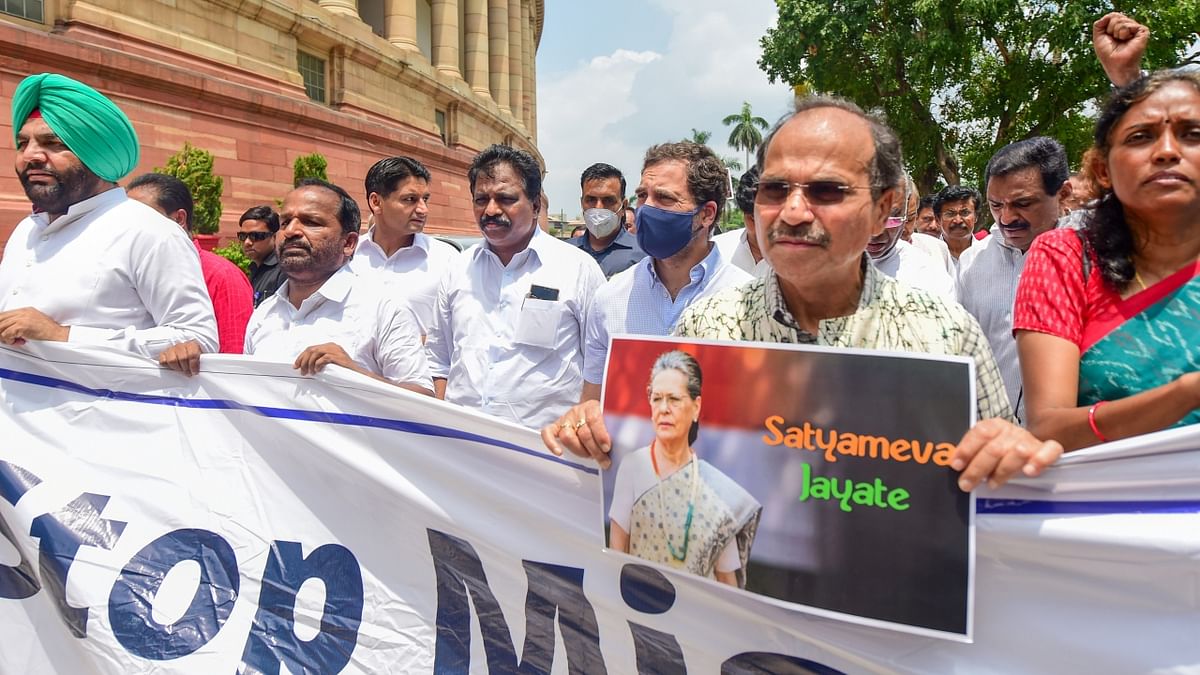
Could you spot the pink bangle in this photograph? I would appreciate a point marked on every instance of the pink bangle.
(1092, 420)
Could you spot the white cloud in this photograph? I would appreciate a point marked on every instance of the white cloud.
(577, 115)
(612, 108)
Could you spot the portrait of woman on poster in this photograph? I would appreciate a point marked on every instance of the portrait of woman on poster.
(669, 506)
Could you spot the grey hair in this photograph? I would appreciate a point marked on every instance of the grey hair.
(887, 166)
(684, 363)
(907, 189)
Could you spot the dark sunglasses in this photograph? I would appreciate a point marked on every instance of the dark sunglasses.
(819, 192)
(253, 236)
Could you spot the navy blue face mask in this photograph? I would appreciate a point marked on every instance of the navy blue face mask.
(661, 233)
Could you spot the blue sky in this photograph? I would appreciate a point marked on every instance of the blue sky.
(619, 76)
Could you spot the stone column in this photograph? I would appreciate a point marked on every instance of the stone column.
(533, 94)
(347, 7)
(400, 23)
(527, 47)
(477, 47)
(445, 36)
(516, 78)
(498, 52)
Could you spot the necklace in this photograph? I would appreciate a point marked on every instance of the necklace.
(1138, 278)
(662, 507)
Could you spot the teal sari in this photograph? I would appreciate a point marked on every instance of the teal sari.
(1151, 339)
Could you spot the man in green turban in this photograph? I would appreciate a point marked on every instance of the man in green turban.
(90, 265)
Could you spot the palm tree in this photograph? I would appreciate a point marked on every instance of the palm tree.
(699, 137)
(731, 163)
(745, 134)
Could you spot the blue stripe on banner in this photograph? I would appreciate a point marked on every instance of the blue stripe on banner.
(287, 414)
(1039, 507)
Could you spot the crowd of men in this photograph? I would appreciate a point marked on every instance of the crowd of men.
(838, 249)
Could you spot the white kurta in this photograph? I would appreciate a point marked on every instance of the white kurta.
(115, 271)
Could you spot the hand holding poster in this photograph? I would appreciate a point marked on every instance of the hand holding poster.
(797, 474)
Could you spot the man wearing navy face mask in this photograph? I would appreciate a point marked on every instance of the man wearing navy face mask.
(603, 202)
(683, 189)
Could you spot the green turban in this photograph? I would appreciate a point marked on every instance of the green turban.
(92, 126)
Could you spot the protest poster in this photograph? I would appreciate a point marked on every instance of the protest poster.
(821, 476)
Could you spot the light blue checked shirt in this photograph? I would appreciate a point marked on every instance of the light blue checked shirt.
(636, 301)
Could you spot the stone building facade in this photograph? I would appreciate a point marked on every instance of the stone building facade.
(260, 82)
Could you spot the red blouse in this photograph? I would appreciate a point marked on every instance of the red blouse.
(1053, 298)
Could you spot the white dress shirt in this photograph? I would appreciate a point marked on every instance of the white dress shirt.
(413, 271)
(910, 265)
(376, 329)
(987, 285)
(115, 271)
(636, 301)
(507, 354)
(736, 250)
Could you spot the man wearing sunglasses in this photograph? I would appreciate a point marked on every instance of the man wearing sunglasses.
(827, 186)
(901, 260)
(256, 231)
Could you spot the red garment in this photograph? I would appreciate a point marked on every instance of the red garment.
(982, 234)
(1052, 297)
(232, 299)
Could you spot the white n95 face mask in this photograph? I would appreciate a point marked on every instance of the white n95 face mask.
(600, 222)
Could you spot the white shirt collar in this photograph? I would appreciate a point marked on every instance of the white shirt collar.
(702, 270)
(538, 246)
(335, 289)
(78, 210)
(420, 240)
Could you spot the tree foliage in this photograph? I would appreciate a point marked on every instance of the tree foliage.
(958, 79)
(309, 166)
(747, 130)
(699, 137)
(194, 167)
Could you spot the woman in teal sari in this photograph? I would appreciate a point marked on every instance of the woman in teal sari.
(1107, 318)
(668, 505)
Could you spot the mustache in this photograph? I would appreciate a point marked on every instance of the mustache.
(1019, 224)
(295, 243)
(805, 234)
(41, 168)
(499, 221)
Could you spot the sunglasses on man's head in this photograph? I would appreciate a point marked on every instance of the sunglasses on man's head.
(817, 192)
(253, 236)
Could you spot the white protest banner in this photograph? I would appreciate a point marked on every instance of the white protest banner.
(250, 520)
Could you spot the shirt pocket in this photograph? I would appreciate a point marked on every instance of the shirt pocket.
(539, 323)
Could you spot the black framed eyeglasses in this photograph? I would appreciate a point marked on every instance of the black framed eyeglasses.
(253, 236)
(818, 192)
